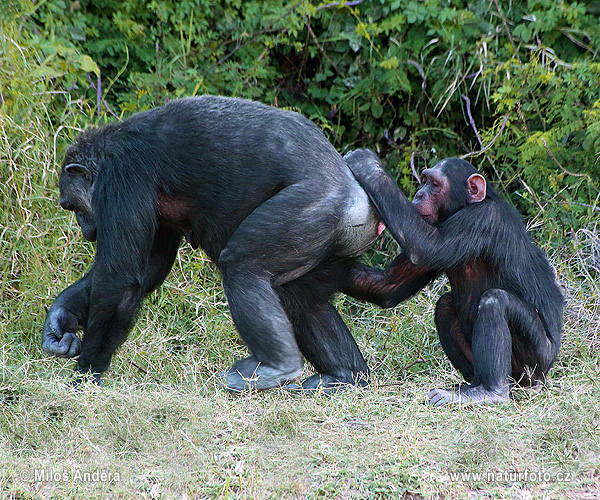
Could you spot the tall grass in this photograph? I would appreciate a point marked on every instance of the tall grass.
(165, 428)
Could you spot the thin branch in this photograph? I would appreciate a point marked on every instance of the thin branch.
(476, 153)
(98, 89)
(471, 120)
(412, 167)
(314, 37)
(99, 97)
(561, 167)
(145, 372)
(505, 22)
(586, 205)
(579, 43)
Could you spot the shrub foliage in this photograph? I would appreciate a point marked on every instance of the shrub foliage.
(409, 78)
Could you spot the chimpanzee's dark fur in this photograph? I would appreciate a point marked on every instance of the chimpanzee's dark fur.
(260, 190)
(503, 317)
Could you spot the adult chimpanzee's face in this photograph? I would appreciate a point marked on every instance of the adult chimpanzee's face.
(76, 185)
(432, 199)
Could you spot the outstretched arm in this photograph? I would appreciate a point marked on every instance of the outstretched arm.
(388, 287)
(99, 304)
(460, 238)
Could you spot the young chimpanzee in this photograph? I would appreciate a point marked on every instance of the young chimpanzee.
(261, 191)
(503, 316)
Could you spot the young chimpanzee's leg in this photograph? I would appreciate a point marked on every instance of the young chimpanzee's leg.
(452, 338)
(283, 239)
(505, 327)
(532, 351)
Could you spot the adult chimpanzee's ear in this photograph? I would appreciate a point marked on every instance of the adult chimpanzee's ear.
(76, 169)
(477, 188)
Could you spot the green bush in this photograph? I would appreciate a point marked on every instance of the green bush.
(433, 78)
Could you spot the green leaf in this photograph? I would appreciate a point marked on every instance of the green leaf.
(87, 64)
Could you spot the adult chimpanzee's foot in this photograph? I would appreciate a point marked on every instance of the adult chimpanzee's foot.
(325, 384)
(468, 394)
(81, 378)
(249, 374)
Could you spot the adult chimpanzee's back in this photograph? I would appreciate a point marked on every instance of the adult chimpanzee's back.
(261, 190)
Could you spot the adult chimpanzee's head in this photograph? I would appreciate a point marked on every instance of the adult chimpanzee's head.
(76, 185)
(446, 188)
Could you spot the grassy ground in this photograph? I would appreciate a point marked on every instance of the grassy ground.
(162, 427)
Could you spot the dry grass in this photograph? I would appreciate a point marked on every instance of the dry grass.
(164, 425)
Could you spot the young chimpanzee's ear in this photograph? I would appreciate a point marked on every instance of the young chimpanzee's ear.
(477, 188)
(76, 169)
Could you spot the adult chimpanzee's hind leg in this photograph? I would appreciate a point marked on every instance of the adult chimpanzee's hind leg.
(265, 328)
(321, 334)
(281, 240)
(328, 345)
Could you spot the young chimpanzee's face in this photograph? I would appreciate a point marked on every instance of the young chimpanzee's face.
(433, 197)
(446, 188)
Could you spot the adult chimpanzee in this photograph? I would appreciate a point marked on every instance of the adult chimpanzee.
(503, 316)
(260, 190)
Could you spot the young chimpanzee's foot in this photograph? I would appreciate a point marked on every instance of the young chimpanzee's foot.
(325, 384)
(249, 374)
(467, 394)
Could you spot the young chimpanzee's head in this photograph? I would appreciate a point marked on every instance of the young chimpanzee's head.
(446, 188)
(76, 185)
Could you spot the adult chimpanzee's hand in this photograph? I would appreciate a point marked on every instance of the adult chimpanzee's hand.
(59, 337)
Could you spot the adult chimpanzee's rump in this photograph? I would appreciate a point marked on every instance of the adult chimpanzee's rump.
(260, 190)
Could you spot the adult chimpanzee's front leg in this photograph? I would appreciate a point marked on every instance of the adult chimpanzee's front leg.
(115, 297)
(66, 315)
(281, 240)
(113, 303)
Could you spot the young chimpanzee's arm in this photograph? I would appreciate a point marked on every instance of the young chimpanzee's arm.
(462, 237)
(388, 287)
